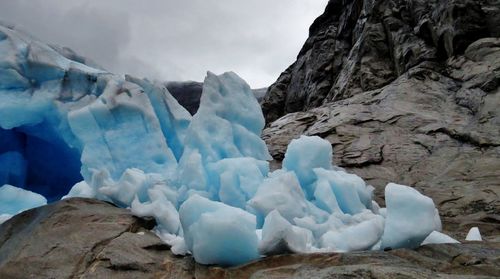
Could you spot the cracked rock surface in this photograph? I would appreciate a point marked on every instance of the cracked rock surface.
(406, 91)
(79, 238)
(84, 238)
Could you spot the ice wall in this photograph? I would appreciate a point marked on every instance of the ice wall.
(61, 120)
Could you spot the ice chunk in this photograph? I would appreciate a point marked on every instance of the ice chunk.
(177, 243)
(161, 205)
(14, 200)
(383, 211)
(81, 190)
(230, 116)
(5, 217)
(217, 233)
(344, 187)
(162, 210)
(227, 125)
(376, 208)
(279, 236)
(411, 217)
(305, 154)
(132, 183)
(356, 237)
(174, 119)
(281, 192)
(474, 235)
(237, 179)
(325, 197)
(438, 238)
(192, 173)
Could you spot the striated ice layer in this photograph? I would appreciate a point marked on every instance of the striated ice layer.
(74, 130)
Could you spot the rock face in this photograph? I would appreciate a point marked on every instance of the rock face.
(362, 45)
(83, 238)
(433, 261)
(407, 92)
(78, 238)
(188, 93)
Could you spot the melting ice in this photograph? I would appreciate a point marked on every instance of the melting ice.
(68, 129)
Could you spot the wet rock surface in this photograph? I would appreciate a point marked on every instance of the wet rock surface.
(406, 92)
(84, 238)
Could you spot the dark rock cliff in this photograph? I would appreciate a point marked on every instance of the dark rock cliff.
(362, 45)
(407, 91)
(187, 93)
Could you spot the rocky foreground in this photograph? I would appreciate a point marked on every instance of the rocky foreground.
(84, 238)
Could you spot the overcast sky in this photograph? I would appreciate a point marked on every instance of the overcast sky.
(174, 39)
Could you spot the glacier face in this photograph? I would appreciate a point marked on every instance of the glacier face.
(205, 179)
(61, 121)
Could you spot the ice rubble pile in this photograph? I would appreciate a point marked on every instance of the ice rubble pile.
(204, 178)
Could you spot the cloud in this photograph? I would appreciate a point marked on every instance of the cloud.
(174, 40)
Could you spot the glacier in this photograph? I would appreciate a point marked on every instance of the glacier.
(68, 129)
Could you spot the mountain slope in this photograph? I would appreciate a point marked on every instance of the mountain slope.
(361, 45)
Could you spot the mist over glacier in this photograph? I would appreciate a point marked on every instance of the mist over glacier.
(72, 130)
